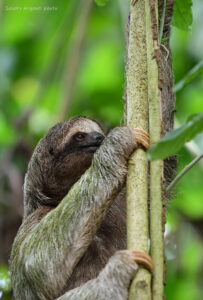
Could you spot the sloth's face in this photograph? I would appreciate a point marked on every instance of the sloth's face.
(78, 134)
(68, 149)
(83, 142)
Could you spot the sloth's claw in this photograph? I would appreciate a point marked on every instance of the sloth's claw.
(142, 137)
(142, 258)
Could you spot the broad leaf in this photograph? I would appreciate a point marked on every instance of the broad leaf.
(173, 141)
(182, 14)
(101, 2)
(190, 76)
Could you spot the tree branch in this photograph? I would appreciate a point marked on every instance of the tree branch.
(156, 167)
(137, 116)
(183, 172)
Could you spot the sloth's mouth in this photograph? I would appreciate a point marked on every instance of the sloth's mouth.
(90, 148)
(92, 143)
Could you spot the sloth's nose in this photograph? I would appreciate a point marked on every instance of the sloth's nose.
(98, 137)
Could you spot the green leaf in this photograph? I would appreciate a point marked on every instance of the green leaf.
(189, 77)
(182, 14)
(173, 141)
(101, 2)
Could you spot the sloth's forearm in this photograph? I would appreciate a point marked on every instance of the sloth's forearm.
(111, 283)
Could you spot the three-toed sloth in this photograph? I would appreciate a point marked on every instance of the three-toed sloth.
(70, 245)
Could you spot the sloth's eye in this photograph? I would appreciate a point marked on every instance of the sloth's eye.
(79, 136)
(51, 150)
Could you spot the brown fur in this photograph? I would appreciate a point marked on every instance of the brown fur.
(110, 237)
(64, 243)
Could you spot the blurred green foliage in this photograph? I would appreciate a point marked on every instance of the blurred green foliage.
(5, 283)
(101, 2)
(35, 44)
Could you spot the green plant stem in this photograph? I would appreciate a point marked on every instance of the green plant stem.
(183, 172)
(156, 167)
(161, 28)
(137, 116)
(192, 75)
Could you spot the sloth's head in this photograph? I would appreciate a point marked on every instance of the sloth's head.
(60, 158)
